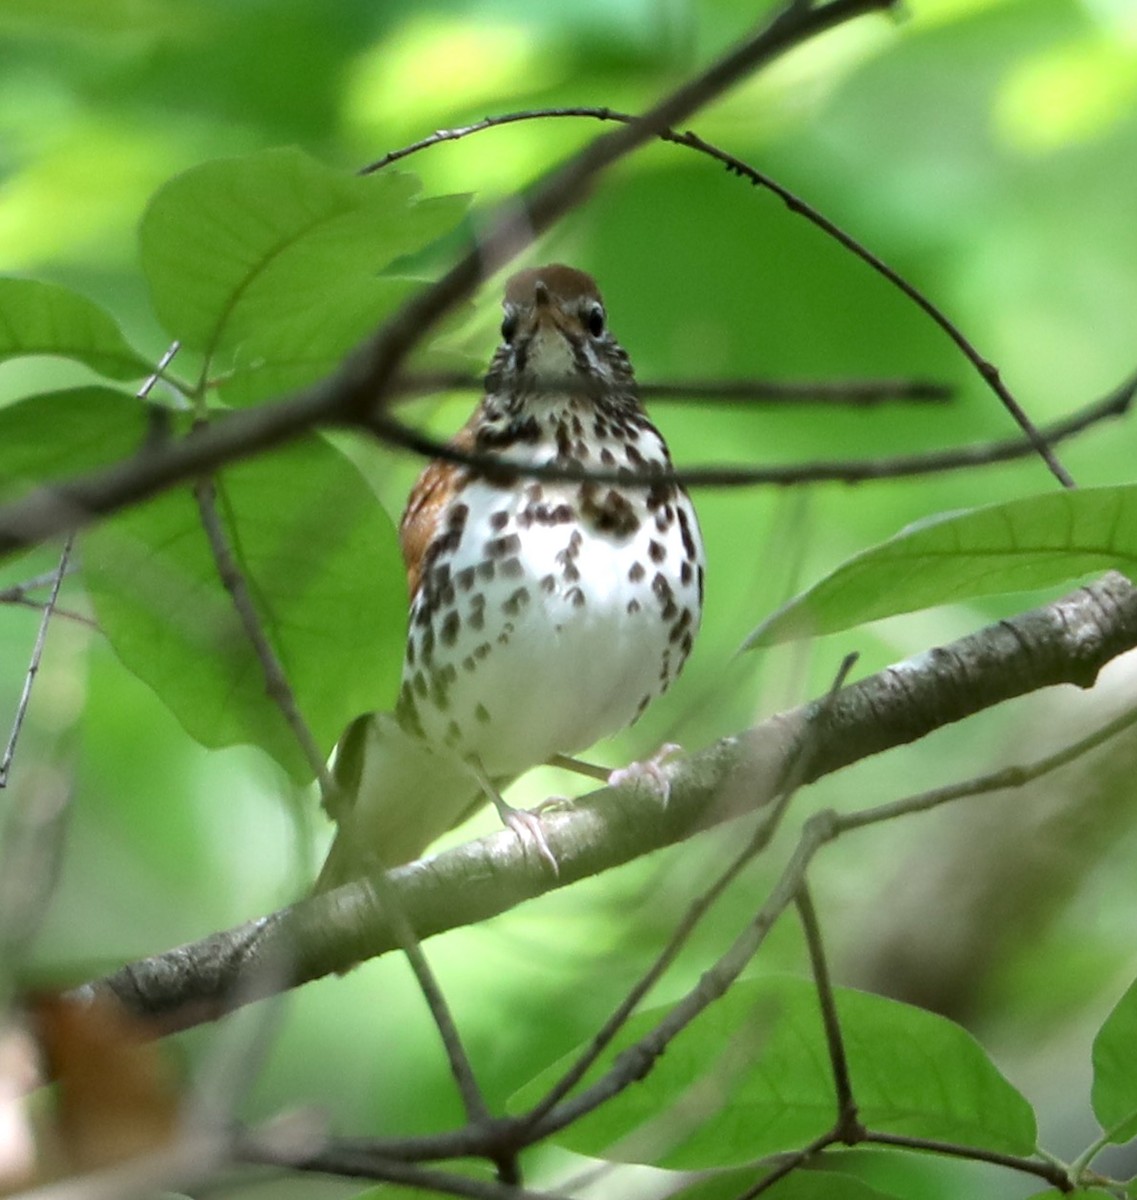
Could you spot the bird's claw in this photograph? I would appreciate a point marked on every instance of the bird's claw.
(648, 772)
(527, 825)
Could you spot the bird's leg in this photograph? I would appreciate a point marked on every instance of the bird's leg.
(649, 771)
(591, 770)
(520, 820)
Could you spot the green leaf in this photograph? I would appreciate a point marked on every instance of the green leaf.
(321, 561)
(288, 352)
(752, 1077)
(57, 434)
(44, 318)
(1115, 1070)
(799, 1185)
(236, 246)
(1031, 543)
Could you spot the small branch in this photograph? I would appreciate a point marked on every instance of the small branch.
(347, 1162)
(847, 1127)
(277, 687)
(788, 1163)
(33, 665)
(854, 393)
(1006, 779)
(63, 614)
(1067, 641)
(1117, 403)
(282, 695)
(1053, 1174)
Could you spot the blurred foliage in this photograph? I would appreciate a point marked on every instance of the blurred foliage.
(984, 148)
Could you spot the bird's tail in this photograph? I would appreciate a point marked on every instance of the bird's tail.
(398, 796)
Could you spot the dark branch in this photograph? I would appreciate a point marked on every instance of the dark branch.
(1116, 404)
(853, 393)
(363, 383)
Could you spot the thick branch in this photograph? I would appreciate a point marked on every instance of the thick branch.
(1065, 642)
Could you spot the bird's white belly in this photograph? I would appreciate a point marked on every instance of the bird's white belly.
(540, 636)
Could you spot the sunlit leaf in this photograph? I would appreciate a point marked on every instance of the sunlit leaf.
(1036, 542)
(236, 246)
(44, 318)
(1115, 1070)
(56, 434)
(322, 565)
(752, 1078)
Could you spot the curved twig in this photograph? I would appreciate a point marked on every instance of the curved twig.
(986, 369)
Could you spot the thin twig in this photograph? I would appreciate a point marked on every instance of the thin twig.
(477, 1111)
(846, 1123)
(36, 821)
(20, 591)
(1005, 779)
(787, 1164)
(1055, 1175)
(281, 693)
(987, 370)
(347, 1161)
(1115, 404)
(63, 614)
(854, 393)
(33, 665)
(277, 686)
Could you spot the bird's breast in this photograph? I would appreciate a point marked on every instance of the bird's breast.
(549, 616)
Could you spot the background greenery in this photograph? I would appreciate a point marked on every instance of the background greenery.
(986, 148)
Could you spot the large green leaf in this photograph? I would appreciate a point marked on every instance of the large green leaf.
(1115, 1070)
(1036, 542)
(44, 318)
(236, 247)
(752, 1077)
(322, 564)
(56, 434)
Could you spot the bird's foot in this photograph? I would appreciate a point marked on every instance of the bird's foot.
(527, 826)
(648, 772)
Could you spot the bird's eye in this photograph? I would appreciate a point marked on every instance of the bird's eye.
(508, 327)
(594, 318)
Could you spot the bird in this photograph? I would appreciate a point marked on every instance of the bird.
(544, 614)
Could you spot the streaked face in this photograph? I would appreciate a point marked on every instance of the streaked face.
(554, 326)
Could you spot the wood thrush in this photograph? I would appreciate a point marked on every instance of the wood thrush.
(543, 615)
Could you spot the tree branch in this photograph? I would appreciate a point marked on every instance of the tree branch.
(851, 393)
(355, 392)
(1115, 404)
(1064, 642)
